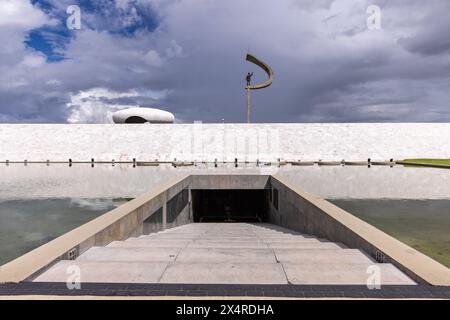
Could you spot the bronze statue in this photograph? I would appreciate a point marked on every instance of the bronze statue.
(249, 79)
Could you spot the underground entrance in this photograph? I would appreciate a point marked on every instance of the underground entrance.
(230, 205)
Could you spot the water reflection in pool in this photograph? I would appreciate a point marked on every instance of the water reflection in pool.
(421, 224)
(40, 202)
(27, 224)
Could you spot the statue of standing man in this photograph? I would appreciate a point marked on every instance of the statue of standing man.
(249, 78)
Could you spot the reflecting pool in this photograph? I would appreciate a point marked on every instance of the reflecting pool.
(27, 224)
(421, 224)
(40, 202)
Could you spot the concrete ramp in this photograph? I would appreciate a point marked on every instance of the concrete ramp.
(225, 253)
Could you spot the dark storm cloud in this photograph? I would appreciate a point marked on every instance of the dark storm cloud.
(188, 57)
(431, 38)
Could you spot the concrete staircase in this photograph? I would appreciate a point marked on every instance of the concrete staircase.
(225, 253)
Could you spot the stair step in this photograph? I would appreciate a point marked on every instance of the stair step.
(156, 243)
(149, 244)
(209, 238)
(343, 273)
(225, 273)
(227, 244)
(288, 238)
(304, 245)
(235, 255)
(321, 256)
(129, 254)
(106, 272)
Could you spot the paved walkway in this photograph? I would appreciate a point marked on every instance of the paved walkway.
(225, 253)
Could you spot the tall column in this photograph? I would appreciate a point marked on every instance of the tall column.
(248, 104)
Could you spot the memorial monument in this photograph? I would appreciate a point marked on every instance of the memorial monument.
(262, 85)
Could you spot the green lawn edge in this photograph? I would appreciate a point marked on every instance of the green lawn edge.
(428, 161)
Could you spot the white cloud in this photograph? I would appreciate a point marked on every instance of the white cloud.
(95, 105)
(21, 13)
(90, 106)
(33, 60)
(173, 51)
(152, 58)
(328, 65)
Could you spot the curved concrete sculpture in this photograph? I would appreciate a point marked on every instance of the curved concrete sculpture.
(143, 115)
(265, 67)
(251, 58)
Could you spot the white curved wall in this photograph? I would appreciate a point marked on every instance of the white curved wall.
(267, 142)
(149, 114)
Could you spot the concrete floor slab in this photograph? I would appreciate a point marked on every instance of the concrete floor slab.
(229, 239)
(223, 255)
(243, 236)
(321, 256)
(269, 232)
(341, 273)
(264, 227)
(237, 253)
(225, 273)
(149, 244)
(303, 245)
(281, 235)
(170, 236)
(188, 233)
(129, 254)
(289, 240)
(105, 272)
(226, 244)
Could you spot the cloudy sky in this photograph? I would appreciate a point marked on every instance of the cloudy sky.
(187, 57)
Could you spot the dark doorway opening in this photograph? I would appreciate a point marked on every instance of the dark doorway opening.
(230, 205)
(135, 119)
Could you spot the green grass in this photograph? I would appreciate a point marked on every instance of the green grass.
(429, 161)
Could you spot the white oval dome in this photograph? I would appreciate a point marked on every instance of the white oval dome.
(142, 115)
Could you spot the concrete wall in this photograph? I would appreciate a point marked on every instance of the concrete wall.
(178, 209)
(231, 182)
(154, 223)
(190, 142)
(307, 213)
